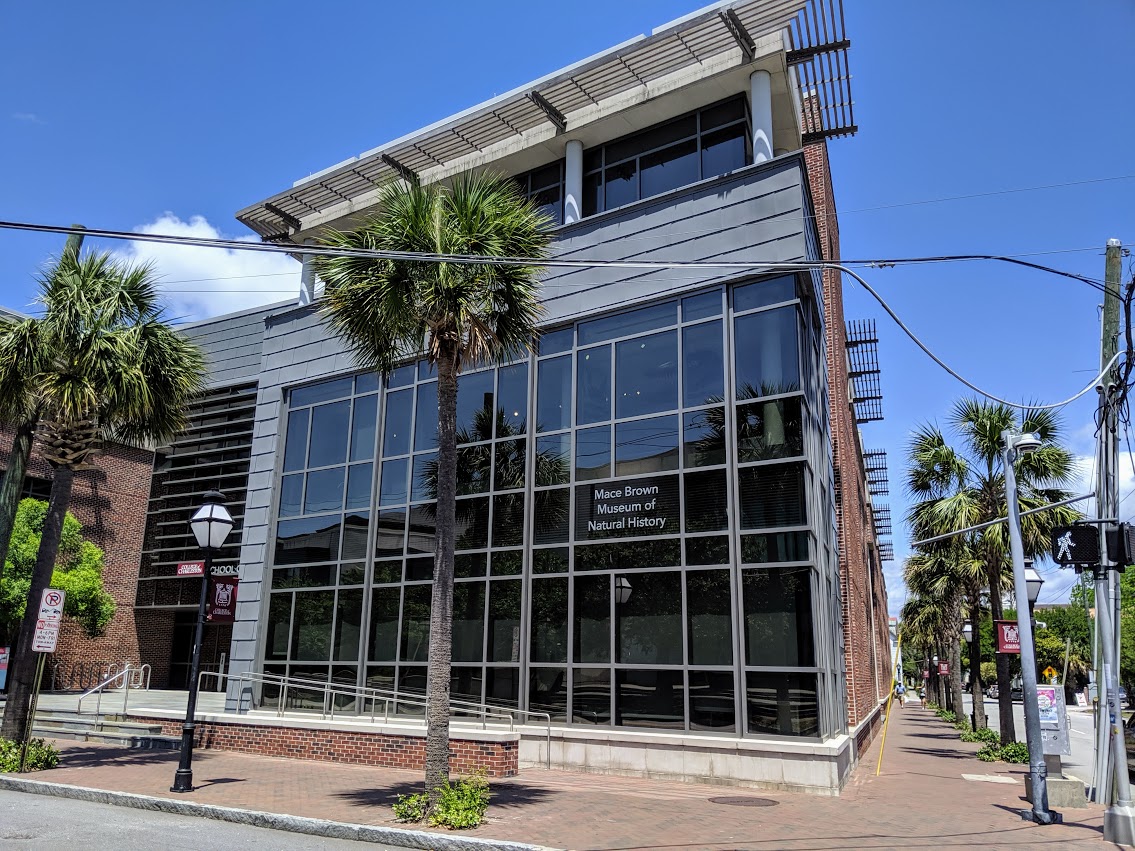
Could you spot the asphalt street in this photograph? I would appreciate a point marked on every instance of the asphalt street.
(37, 821)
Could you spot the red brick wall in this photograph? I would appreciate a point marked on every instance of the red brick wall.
(499, 759)
(110, 502)
(863, 591)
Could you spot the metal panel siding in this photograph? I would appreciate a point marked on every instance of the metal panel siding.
(755, 214)
(232, 345)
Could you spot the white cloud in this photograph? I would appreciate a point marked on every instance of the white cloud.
(27, 118)
(203, 282)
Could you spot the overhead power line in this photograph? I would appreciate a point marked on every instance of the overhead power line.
(466, 259)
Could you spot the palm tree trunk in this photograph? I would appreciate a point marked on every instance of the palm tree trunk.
(959, 706)
(977, 691)
(1004, 679)
(13, 484)
(441, 604)
(22, 678)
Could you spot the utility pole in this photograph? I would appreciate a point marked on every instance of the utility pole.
(1119, 818)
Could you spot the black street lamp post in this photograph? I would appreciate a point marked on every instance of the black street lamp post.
(211, 524)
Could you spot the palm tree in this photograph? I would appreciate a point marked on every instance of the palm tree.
(956, 488)
(111, 370)
(463, 313)
(20, 360)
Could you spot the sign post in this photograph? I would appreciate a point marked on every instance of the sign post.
(43, 642)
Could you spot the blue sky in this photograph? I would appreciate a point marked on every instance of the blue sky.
(173, 116)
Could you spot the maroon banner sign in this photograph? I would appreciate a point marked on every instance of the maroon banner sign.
(221, 601)
(191, 568)
(944, 669)
(1008, 637)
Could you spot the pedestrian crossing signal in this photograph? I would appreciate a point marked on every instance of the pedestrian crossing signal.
(1076, 545)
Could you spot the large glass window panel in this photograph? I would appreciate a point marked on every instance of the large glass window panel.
(591, 696)
(423, 524)
(396, 427)
(355, 529)
(512, 400)
(768, 430)
(724, 150)
(554, 342)
(329, 434)
(311, 632)
(419, 569)
(384, 624)
(713, 549)
(711, 701)
(778, 617)
(366, 382)
(465, 684)
(646, 374)
(364, 425)
(763, 293)
(416, 623)
(295, 446)
(706, 501)
(393, 488)
(348, 626)
(474, 406)
(508, 520)
(324, 391)
(425, 417)
(549, 620)
(631, 322)
(359, 478)
(593, 385)
(507, 563)
(772, 495)
(502, 686)
(424, 484)
(620, 184)
(648, 618)
(551, 516)
(654, 137)
(291, 495)
(279, 626)
(553, 459)
(774, 546)
(352, 574)
(468, 621)
(324, 491)
(701, 306)
(504, 621)
(766, 353)
(303, 577)
(390, 539)
(509, 464)
(553, 394)
(782, 704)
(725, 112)
(646, 446)
(547, 692)
(668, 169)
(703, 437)
(592, 642)
(472, 531)
(550, 560)
(703, 359)
(402, 376)
(626, 508)
(709, 617)
(474, 468)
(593, 452)
(466, 565)
(650, 699)
(592, 194)
(311, 539)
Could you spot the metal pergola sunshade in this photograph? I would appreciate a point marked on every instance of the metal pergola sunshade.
(819, 68)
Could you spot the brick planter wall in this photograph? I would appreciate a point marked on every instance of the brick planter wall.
(387, 750)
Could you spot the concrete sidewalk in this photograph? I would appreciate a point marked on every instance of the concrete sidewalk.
(921, 798)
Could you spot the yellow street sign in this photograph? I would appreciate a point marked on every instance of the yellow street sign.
(1049, 672)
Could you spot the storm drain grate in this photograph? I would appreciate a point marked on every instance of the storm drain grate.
(745, 802)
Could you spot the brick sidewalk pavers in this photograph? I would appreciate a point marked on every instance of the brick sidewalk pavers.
(920, 799)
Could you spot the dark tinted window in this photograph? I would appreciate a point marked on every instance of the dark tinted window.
(593, 385)
(778, 617)
(364, 424)
(625, 324)
(709, 614)
(646, 374)
(766, 353)
(703, 378)
(295, 448)
(782, 704)
(553, 394)
(325, 391)
(425, 417)
(396, 429)
(512, 400)
(646, 446)
(772, 495)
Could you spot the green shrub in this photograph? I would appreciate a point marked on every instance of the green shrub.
(411, 807)
(947, 716)
(41, 755)
(989, 753)
(461, 805)
(962, 725)
(983, 735)
(1015, 752)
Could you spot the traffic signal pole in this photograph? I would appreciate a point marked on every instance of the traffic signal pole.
(1119, 818)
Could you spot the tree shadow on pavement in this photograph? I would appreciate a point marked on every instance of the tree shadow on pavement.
(504, 794)
(952, 754)
(88, 757)
(1070, 819)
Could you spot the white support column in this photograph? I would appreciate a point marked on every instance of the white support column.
(573, 181)
(307, 279)
(760, 105)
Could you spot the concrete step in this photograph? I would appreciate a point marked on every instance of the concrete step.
(118, 738)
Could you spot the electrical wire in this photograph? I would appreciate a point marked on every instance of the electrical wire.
(426, 257)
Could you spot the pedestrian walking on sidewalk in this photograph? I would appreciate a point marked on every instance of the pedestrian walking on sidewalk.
(900, 694)
(922, 696)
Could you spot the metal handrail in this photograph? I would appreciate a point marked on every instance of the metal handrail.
(364, 693)
(123, 675)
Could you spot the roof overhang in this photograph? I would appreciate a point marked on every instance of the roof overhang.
(639, 82)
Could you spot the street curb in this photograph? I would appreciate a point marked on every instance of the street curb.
(398, 837)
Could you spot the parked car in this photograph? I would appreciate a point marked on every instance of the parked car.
(1017, 693)
(992, 692)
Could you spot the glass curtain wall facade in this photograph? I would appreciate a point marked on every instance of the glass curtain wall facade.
(644, 526)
